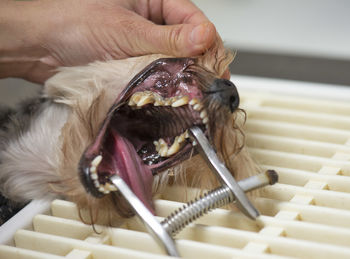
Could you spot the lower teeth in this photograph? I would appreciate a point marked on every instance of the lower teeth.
(165, 151)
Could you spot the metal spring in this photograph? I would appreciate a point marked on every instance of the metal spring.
(191, 211)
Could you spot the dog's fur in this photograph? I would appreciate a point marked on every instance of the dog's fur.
(42, 141)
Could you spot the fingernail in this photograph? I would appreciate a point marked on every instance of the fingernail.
(200, 34)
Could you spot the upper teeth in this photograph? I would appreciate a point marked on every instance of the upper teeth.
(181, 101)
(146, 97)
(97, 160)
(140, 99)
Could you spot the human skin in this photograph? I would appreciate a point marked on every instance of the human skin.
(40, 35)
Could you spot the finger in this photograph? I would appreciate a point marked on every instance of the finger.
(182, 11)
(177, 40)
(226, 74)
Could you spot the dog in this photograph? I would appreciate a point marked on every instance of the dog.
(128, 117)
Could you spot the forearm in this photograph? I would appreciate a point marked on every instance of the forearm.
(19, 38)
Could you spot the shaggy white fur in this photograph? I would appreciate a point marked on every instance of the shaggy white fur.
(31, 160)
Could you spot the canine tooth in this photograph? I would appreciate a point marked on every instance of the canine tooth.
(101, 189)
(205, 120)
(97, 160)
(106, 191)
(194, 101)
(162, 142)
(203, 114)
(182, 101)
(198, 107)
(146, 99)
(96, 183)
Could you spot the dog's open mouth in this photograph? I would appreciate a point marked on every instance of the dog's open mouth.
(145, 131)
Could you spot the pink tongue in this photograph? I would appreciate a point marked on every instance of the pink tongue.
(133, 171)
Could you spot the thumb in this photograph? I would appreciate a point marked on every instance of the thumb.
(178, 40)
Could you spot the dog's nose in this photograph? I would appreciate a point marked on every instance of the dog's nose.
(225, 92)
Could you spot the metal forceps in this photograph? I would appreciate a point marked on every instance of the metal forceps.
(231, 191)
(224, 175)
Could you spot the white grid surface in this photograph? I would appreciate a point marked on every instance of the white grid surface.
(305, 215)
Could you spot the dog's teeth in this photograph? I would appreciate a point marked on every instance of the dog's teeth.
(158, 100)
(163, 151)
(96, 183)
(101, 189)
(198, 107)
(162, 147)
(93, 176)
(167, 102)
(131, 102)
(159, 103)
(205, 120)
(162, 141)
(182, 101)
(97, 160)
(93, 170)
(146, 99)
(140, 99)
(135, 98)
(181, 138)
(106, 191)
(194, 101)
(203, 114)
(175, 147)
(186, 134)
(157, 145)
(110, 187)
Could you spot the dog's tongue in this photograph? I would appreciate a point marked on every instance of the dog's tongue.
(135, 173)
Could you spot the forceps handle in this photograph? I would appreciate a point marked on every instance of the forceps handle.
(207, 152)
(154, 227)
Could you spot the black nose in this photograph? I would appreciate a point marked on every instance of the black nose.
(225, 92)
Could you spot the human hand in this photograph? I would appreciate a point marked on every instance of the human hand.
(75, 32)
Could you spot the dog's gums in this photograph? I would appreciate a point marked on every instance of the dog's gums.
(145, 130)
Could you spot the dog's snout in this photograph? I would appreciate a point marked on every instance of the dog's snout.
(225, 92)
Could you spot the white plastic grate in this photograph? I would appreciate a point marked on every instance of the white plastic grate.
(305, 215)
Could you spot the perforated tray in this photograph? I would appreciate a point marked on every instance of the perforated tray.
(302, 130)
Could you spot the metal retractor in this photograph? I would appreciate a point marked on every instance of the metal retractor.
(230, 191)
